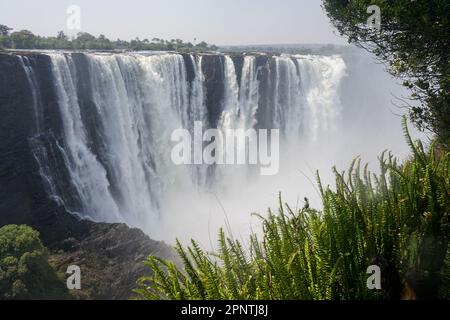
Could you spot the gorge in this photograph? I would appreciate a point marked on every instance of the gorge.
(85, 139)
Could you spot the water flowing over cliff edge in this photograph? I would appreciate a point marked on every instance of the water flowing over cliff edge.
(97, 128)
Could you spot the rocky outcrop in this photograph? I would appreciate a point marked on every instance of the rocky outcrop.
(110, 257)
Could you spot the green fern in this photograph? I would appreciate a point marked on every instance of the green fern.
(401, 215)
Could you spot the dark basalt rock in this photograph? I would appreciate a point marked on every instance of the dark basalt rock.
(190, 73)
(213, 70)
(266, 79)
(238, 61)
(18, 172)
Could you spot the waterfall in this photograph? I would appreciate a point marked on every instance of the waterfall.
(248, 93)
(122, 169)
(197, 101)
(37, 143)
(198, 113)
(288, 99)
(33, 83)
(117, 113)
(230, 113)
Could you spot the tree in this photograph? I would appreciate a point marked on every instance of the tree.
(104, 43)
(84, 37)
(60, 42)
(202, 45)
(4, 30)
(84, 40)
(169, 46)
(61, 35)
(414, 42)
(23, 39)
(25, 272)
(5, 42)
(136, 44)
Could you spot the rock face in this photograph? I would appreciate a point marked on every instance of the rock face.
(212, 66)
(110, 255)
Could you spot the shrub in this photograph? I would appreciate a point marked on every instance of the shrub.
(25, 272)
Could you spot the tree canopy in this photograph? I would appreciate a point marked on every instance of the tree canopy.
(414, 42)
(4, 30)
(25, 39)
(25, 272)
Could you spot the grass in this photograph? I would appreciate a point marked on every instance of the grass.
(397, 220)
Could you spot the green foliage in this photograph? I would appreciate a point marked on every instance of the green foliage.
(25, 39)
(4, 30)
(398, 220)
(25, 272)
(414, 42)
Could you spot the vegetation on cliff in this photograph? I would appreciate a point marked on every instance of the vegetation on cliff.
(25, 272)
(25, 39)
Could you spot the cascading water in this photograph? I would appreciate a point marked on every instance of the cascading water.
(230, 112)
(320, 80)
(117, 113)
(87, 174)
(248, 93)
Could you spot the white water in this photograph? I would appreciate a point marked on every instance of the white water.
(248, 93)
(87, 174)
(125, 173)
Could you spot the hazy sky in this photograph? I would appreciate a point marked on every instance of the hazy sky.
(215, 21)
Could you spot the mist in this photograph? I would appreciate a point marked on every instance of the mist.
(365, 102)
